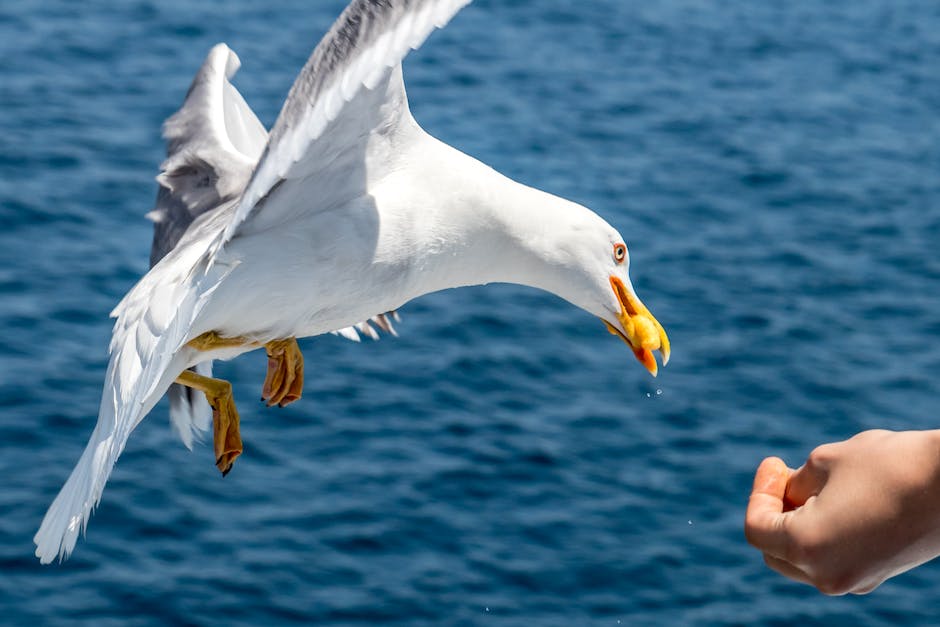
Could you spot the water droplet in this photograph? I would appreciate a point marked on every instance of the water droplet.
(659, 392)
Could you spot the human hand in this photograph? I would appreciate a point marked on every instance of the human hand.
(856, 513)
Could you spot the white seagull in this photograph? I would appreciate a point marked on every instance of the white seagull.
(346, 210)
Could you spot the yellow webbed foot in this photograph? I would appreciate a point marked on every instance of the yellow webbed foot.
(284, 381)
(226, 436)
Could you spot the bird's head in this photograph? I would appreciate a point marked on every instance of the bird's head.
(597, 279)
(628, 318)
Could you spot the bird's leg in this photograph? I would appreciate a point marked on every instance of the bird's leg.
(285, 379)
(226, 437)
(283, 384)
(211, 341)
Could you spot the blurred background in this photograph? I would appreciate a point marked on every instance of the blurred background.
(773, 167)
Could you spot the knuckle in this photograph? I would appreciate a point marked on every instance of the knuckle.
(821, 456)
(865, 589)
(871, 434)
(836, 584)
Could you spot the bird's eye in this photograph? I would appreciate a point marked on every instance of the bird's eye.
(620, 252)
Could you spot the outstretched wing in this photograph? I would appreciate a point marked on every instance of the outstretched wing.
(213, 143)
(152, 324)
(348, 87)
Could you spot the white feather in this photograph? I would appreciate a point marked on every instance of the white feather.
(145, 359)
(404, 29)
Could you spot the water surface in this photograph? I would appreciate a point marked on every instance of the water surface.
(773, 167)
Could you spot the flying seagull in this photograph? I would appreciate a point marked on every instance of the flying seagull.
(345, 210)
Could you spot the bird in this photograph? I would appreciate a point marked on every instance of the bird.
(345, 210)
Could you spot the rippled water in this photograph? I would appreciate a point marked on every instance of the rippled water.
(774, 167)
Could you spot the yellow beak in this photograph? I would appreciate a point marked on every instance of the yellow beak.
(641, 331)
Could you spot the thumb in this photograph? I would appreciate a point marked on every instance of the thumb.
(763, 522)
(771, 478)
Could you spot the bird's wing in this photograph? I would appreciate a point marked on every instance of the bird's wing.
(153, 322)
(347, 90)
(213, 143)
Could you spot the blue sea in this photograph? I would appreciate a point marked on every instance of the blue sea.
(775, 170)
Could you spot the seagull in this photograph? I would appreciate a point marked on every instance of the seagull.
(346, 209)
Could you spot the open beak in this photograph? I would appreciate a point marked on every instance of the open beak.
(640, 331)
